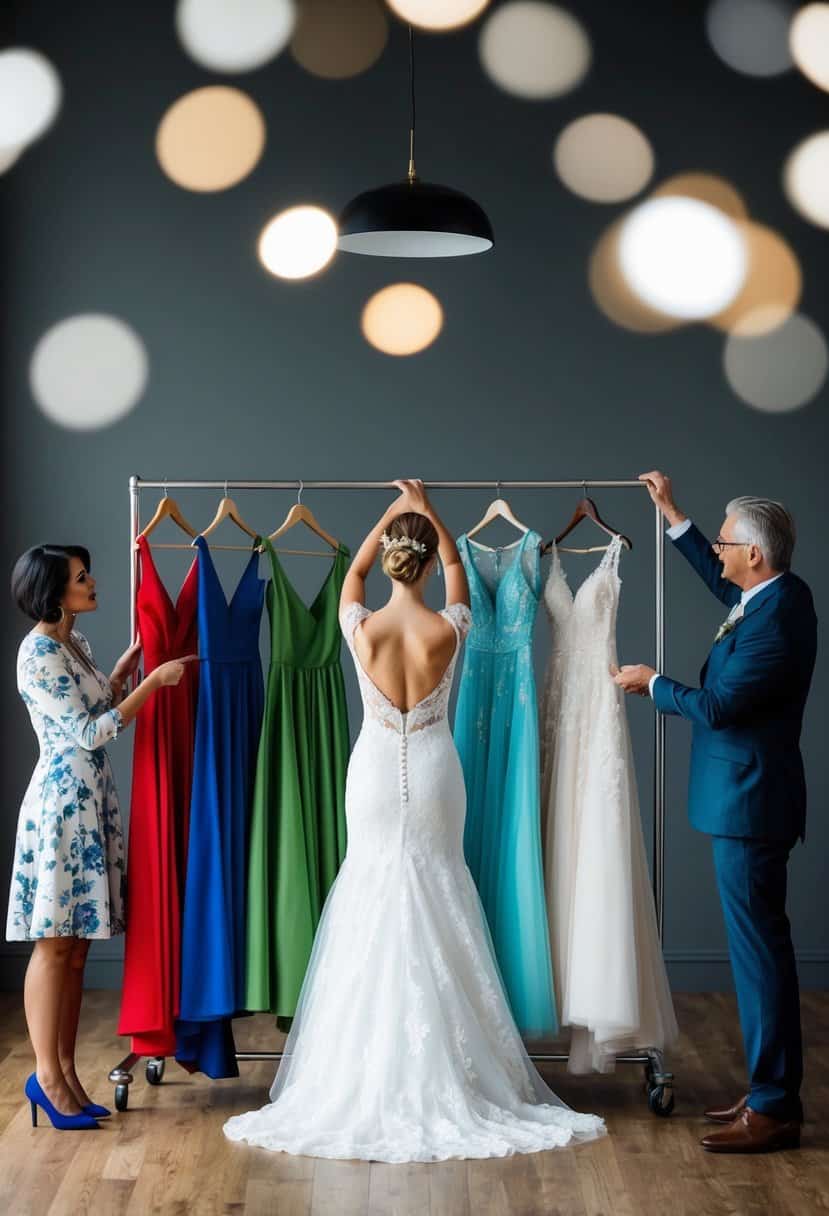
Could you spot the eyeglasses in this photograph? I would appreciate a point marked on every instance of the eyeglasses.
(719, 544)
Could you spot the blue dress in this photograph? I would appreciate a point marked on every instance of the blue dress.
(228, 722)
(496, 734)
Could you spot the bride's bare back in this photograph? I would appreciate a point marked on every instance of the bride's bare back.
(404, 650)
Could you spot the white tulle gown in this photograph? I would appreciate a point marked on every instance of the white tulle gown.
(403, 1047)
(610, 975)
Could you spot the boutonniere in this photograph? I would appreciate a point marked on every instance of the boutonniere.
(728, 626)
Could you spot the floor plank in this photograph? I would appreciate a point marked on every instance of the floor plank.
(341, 1187)
(449, 1189)
(398, 1190)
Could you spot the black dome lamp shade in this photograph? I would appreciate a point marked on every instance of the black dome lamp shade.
(414, 219)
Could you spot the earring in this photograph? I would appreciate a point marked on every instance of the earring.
(438, 570)
(62, 614)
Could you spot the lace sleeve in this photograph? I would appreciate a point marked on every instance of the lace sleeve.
(461, 617)
(350, 617)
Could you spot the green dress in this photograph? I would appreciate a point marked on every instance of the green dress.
(298, 836)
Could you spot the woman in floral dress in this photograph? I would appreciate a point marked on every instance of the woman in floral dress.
(69, 874)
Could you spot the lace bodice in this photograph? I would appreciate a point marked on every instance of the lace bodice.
(376, 705)
(587, 620)
(504, 586)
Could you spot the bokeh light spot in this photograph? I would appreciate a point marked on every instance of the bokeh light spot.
(780, 370)
(604, 158)
(772, 286)
(210, 139)
(438, 14)
(613, 294)
(751, 36)
(337, 39)
(806, 178)
(234, 35)
(534, 50)
(402, 319)
(88, 371)
(809, 43)
(298, 242)
(682, 257)
(707, 188)
(30, 97)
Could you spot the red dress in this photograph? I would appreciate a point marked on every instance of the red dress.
(159, 815)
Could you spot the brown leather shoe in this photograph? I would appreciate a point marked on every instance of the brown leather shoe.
(752, 1132)
(727, 1114)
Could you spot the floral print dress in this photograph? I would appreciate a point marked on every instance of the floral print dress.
(69, 871)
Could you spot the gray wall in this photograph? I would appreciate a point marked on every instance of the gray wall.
(254, 378)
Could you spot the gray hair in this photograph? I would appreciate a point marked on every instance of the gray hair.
(766, 524)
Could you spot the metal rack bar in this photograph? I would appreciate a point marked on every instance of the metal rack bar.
(659, 736)
(545, 1057)
(135, 528)
(658, 1078)
(575, 484)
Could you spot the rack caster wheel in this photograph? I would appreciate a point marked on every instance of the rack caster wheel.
(154, 1071)
(122, 1097)
(660, 1101)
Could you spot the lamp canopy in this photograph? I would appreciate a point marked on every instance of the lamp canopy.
(414, 219)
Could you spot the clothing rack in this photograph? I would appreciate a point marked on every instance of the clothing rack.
(659, 1081)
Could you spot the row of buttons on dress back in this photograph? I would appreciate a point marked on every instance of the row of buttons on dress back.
(404, 771)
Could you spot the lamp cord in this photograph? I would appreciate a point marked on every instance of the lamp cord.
(412, 172)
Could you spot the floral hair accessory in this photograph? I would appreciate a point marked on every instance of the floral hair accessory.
(402, 542)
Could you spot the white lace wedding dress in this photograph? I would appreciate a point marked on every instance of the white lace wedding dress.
(609, 971)
(403, 1047)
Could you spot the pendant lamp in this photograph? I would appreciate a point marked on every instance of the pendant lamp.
(414, 219)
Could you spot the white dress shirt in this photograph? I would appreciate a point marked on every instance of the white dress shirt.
(679, 530)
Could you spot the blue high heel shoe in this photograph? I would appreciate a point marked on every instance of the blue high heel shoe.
(38, 1098)
(96, 1111)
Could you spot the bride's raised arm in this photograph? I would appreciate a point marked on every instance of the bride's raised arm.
(457, 588)
(354, 585)
(412, 497)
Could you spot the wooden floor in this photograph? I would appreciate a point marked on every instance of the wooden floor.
(167, 1154)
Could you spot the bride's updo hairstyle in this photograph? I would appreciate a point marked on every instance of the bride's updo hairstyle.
(408, 546)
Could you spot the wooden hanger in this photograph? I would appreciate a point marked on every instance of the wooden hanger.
(587, 509)
(498, 508)
(227, 509)
(299, 513)
(168, 508)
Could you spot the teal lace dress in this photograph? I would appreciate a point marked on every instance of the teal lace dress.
(496, 734)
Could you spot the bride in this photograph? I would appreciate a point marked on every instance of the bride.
(403, 1047)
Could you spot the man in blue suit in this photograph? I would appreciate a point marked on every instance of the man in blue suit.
(747, 786)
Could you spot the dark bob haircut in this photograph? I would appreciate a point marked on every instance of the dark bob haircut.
(39, 579)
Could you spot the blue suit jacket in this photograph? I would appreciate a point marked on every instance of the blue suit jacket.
(746, 768)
